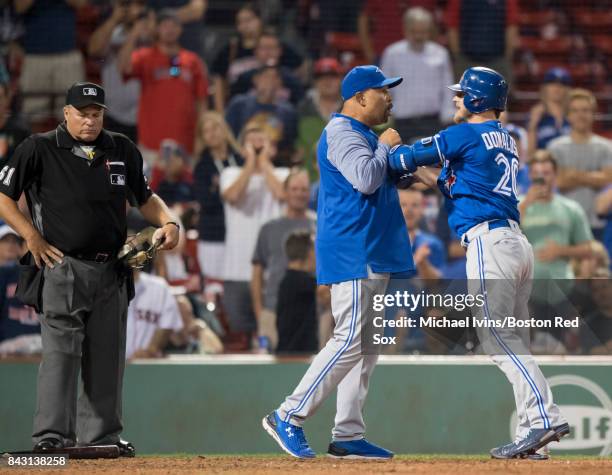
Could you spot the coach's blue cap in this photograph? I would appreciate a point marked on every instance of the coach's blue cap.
(560, 75)
(361, 78)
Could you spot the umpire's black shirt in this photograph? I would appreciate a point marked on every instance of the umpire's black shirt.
(77, 193)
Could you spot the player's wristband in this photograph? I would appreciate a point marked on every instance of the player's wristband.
(407, 158)
(178, 227)
(401, 159)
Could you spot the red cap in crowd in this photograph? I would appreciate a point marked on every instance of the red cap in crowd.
(328, 66)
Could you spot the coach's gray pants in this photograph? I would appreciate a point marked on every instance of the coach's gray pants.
(83, 327)
(340, 363)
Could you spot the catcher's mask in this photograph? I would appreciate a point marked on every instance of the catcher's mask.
(140, 249)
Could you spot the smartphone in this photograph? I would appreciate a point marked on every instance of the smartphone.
(539, 181)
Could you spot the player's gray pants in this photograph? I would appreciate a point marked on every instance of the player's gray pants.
(83, 328)
(340, 364)
(500, 262)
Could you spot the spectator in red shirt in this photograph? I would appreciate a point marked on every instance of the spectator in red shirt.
(482, 33)
(380, 24)
(174, 87)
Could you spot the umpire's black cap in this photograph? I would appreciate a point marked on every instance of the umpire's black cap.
(83, 94)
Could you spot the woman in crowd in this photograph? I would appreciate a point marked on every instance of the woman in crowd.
(216, 148)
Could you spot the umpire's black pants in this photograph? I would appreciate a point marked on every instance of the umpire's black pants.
(83, 327)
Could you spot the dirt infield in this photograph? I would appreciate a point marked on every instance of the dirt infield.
(259, 465)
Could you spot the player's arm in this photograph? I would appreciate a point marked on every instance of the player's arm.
(407, 158)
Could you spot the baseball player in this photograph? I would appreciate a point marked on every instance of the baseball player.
(361, 240)
(479, 162)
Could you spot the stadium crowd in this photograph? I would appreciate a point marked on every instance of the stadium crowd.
(226, 104)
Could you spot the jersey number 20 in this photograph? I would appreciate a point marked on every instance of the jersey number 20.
(507, 184)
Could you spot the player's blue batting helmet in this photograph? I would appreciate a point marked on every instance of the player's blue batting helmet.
(484, 89)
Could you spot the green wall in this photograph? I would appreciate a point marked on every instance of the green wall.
(412, 407)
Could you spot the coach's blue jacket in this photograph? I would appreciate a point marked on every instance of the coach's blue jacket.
(359, 219)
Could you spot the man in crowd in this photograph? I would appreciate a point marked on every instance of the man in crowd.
(424, 104)
(269, 259)
(584, 158)
(173, 84)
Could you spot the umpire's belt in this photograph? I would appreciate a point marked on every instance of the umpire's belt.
(102, 256)
(487, 226)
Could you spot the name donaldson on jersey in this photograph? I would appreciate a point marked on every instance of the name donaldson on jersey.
(499, 140)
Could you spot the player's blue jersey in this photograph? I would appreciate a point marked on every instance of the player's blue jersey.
(479, 174)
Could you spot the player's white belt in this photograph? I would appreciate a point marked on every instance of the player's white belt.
(487, 226)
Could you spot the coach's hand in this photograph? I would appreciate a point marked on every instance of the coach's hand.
(390, 137)
(169, 233)
(43, 252)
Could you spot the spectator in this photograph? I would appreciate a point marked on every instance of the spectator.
(547, 119)
(237, 55)
(152, 316)
(315, 111)
(11, 32)
(297, 302)
(429, 258)
(484, 33)
(428, 249)
(12, 131)
(253, 195)
(128, 19)
(379, 24)
(584, 158)
(425, 103)
(263, 111)
(269, 259)
(191, 15)
(52, 59)
(603, 208)
(317, 19)
(217, 149)
(558, 230)
(173, 84)
(172, 179)
(19, 326)
(269, 50)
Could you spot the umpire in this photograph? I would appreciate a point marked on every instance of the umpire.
(77, 179)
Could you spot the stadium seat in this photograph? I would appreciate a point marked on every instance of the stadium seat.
(542, 47)
(535, 18)
(594, 21)
(603, 43)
